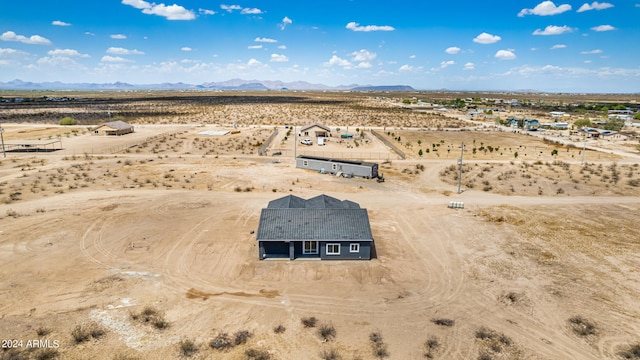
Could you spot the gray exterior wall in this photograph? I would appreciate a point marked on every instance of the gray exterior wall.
(361, 169)
(293, 250)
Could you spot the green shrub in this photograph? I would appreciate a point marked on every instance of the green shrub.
(67, 120)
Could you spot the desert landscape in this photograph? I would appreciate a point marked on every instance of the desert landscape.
(142, 246)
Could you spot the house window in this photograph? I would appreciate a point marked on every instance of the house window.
(354, 248)
(305, 163)
(334, 166)
(96, 132)
(333, 249)
(310, 247)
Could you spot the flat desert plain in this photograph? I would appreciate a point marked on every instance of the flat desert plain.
(143, 246)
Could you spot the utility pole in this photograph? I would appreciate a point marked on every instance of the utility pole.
(460, 162)
(295, 141)
(2, 137)
(584, 147)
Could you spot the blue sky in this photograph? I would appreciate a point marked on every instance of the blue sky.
(566, 46)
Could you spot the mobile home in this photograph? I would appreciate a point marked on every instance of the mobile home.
(363, 169)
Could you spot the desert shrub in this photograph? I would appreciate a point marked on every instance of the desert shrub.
(431, 347)
(309, 322)
(46, 354)
(582, 326)
(43, 331)
(241, 337)
(79, 334)
(331, 354)
(632, 353)
(96, 332)
(221, 342)
(443, 322)
(484, 356)
(253, 354)
(279, 329)
(150, 315)
(378, 345)
(12, 354)
(68, 120)
(187, 348)
(327, 332)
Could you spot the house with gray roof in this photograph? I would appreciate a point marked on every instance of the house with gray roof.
(322, 227)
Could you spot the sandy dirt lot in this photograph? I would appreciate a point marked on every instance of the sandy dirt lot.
(149, 250)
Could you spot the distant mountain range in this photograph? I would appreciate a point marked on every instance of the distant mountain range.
(234, 84)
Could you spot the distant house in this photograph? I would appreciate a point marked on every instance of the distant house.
(116, 128)
(322, 227)
(315, 130)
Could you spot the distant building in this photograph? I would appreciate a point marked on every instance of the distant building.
(114, 128)
(315, 130)
(322, 227)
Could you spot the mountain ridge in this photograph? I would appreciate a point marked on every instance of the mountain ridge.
(232, 84)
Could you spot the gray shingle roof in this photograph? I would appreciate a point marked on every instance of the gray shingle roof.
(318, 202)
(314, 224)
(118, 125)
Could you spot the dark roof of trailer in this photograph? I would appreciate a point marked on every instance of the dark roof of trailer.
(314, 224)
(341, 161)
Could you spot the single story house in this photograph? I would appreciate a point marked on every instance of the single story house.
(322, 227)
(315, 130)
(116, 128)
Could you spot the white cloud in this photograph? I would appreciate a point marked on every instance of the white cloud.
(67, 53)
(123, 51)
(445, 64)
(89, 33)
(337, 61)
(364, 65)
(595, 6)
(171, 12)
(114, 59)
(282, 47)
(279, 58)
(363, 55)
(254, 62)
(251, 47)
(553, 30)
(545, 8)
(412, 57)
(452, 50)
(251, 11)
(505, 55)
(206, 11)
(558, 46)
(186, 49)
(8, 52)
(469, 66)
(230, 8)
(589, 61)
(285, 21)
(265, 40)
(601, 28)
(59, 23)
(32, 40)
(356, 27)
(406, 67)
(591, 52)
(486, 38)
(118, 36)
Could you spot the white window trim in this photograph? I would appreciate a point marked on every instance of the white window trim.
(304, 252)
(333, 253)
(357, 248)
(334, 166)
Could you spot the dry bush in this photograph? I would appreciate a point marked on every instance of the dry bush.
(582, 326)
(254, 354)
(331, 354)
(431, 346)
(221, 342)
(633, 352)
(443, 322)
(309, 322)
(152, 316)
(187, 348)
(46, 354)
(241, 337)
(327, 332)
(378, 345)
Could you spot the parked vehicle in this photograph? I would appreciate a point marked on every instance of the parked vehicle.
(306, 142)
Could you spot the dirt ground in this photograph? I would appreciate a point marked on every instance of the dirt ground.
(146, 243)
